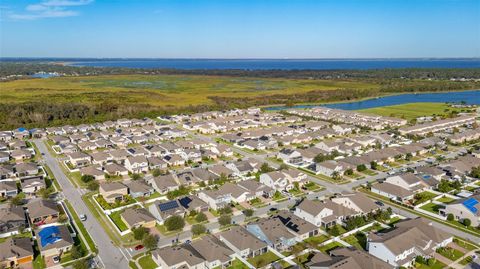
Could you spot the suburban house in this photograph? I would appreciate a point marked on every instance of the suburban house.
(113, 191)
(8, 189)
(163, 210)
(180, 256)
(357, 202)
(12, 220)
(302, 229)
(243, 242)
(346, 258)
(137, 164)
(113, 169)
(31, 186)
(193, 203)
(164, 184)
(323, 213)
(216, 199)
(16, 253)
(139, 188)
(408, 181)
(138, 217)
(54, 241)
(273, 232)
(93, 171)
(282, 180)
(410, 238)
(41, 212)
(467, 208)
(393, 192)
(256, 188)
(215, 253)
(79, 159)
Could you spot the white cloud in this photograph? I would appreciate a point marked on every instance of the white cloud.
(49, 9)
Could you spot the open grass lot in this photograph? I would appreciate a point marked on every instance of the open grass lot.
(412, 110)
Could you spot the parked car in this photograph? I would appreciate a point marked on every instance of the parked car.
(379, 203)
(83, 217)
(138, 247)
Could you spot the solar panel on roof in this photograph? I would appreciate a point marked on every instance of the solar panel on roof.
(470, 205)
(185, 201)
(168, 205)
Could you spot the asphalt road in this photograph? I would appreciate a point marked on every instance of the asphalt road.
(110, 255)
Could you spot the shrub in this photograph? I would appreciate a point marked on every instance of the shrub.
(450, 217)
(198, 229)
(139, 233)
(467, 222)
(87, 178)
(174, 223)
(201, 217)
(224, 220)
(248, 212)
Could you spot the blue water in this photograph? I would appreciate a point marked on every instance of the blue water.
(470, 97)
(44, 75)
(320, 64)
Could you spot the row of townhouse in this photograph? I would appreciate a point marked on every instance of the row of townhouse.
(466, 136)
(355, 118)
(340, 165)
(237, 123)
(439, 125)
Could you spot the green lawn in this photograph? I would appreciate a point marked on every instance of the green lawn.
(117, 219)
(237, 264)
(369, 172)
(264, 259)
(330, 246)
(450, 253)
(424, 196)
(336, 230)
(316, 239)
(411, 110)
(146, 262)
(464, 244)
(431, 207)
(445, 199)
(437, 265)
(358, 240)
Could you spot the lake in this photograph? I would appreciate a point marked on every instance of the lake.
(282, 64)
(470, 97)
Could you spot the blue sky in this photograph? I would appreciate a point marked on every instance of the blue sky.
(240, 29)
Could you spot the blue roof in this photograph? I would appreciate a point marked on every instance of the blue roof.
(470, 204)
(49, 235)
(21, 129)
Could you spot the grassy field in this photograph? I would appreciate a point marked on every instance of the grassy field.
(164, 90)
(412, 110)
